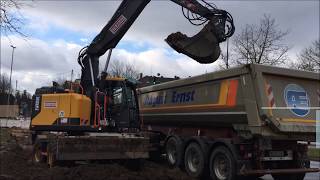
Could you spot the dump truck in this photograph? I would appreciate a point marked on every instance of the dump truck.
(245, 121)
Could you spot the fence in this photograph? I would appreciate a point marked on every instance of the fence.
(9, 111)
(7, 123)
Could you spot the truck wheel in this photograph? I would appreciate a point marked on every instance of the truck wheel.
(37, 156)
(222, 164)
(194, 160)
(173, 152)
(288, 176)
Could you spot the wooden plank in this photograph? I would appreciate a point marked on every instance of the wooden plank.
(99, 147)
(102, 156)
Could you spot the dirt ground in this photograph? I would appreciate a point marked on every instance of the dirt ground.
(16, 163)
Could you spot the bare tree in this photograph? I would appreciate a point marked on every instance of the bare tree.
(225, 61)
(116, 68)
(309, 58)
(131, 71)
(121, 69)
(262, 44)
(60, 80)
(4, 84)
(11, 20)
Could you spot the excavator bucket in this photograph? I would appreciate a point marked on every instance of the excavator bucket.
(202, 47)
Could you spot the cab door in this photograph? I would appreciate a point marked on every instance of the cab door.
(125, 108)
(133, 109)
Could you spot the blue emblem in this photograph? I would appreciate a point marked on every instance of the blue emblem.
(297, 100)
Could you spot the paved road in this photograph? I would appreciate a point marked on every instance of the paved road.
(309, 176)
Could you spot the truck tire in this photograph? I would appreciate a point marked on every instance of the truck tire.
(173, 151)
(194, 160)
(37, 156)
(288, 176)
(222, 164)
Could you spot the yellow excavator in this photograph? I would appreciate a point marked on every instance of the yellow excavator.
(93, 107)
(64, 122)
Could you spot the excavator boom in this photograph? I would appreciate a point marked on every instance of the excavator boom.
(203, 47)
(195, 47)
(119, 24)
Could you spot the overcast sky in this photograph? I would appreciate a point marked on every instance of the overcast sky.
(58, 29)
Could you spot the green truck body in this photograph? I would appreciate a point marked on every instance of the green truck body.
(260, 113)
(255, 99)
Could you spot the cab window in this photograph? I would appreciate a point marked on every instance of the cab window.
(117, 96)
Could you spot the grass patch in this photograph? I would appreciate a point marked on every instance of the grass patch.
(314, 154)
(4, 137)
(4, 134)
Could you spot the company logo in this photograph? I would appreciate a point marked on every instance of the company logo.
(50, 104)
(37, 103)
(118, 24)
(61, 114)
(155, 100)
(181, 97)
(297, 100)
(175, 98)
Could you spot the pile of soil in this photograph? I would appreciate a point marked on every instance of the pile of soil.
(16, 163)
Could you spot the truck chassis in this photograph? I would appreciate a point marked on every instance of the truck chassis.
(58, 147)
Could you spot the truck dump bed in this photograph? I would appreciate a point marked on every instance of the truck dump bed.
(253, 100)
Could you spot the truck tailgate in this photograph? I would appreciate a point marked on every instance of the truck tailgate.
(289, 98)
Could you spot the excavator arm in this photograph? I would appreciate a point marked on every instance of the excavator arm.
(203, 47)
(119, 24)
(129, 10)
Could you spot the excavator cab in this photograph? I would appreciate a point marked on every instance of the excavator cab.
(122, 106)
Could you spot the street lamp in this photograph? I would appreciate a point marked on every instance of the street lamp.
(13, 47)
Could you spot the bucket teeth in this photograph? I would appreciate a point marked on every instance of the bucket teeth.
(202, 47)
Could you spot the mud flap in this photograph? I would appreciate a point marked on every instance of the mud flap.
(202, 47)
